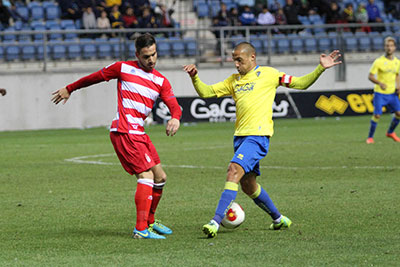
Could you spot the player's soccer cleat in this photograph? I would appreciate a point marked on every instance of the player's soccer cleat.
(210, 229)
(370, 140)
(146, 234)
(393, 136)
(285, 223)
(160, 228)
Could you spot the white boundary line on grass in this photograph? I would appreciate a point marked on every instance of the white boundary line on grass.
(82, 160)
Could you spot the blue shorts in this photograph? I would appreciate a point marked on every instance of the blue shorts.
(249, 150)
(391, 101)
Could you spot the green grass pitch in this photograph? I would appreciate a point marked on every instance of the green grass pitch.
(65, 200)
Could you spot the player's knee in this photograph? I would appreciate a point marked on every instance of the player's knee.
(160, 179)
(234, 173)
(376, 117)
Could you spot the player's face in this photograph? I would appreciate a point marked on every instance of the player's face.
(244, 62)
(147, 57)
(390, 47)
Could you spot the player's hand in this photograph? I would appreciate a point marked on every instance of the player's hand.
(190, 69)
(330, 60)
(3, 91)
(172, 127)
(60, 95)
(382, 86)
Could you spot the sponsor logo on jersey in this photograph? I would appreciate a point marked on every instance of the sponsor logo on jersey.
(248, 87)
(240, 156)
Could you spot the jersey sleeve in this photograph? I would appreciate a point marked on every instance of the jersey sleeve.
(374, 68)
(111, 71)
(224, 88)
(168, 97)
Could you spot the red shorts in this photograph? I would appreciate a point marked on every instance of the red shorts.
(136, 153)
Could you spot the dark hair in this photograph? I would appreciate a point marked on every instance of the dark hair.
(144, 40)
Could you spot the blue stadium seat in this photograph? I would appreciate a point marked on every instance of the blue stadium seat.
(131, 49)
(66, 22)
(296, 44)
(364, 43)
(282, 43)
(23, 11)
(52, 12)
(28, 50)
(9, 34)
(12, 52)
(310, 44)
(116, 47)
(351, 43)
(73, 49)
(37, 12)
(88, 48)
(333, 37)
(163, 48)
(40, 49)
(376, 41)
(70, 35)
(202, 10)
(1, 53)
(104, 49)
(268, 44)
(47, 3)
(190, 46)
(177, 47)
(58, 50)
(25, 36)
(55, 36)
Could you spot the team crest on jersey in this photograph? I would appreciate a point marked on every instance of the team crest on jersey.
(258, 73)
(244, 88)
(147, 157)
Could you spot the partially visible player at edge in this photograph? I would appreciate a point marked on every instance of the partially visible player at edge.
(253, 90)
(139, 85)
(384, 73)
(3, 91)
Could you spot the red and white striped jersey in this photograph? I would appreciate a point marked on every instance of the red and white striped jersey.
(137, 92)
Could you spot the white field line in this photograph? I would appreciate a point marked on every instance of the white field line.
(83, 160)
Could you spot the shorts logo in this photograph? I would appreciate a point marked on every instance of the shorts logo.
(147, 157)
(240, 156)
(150, 198)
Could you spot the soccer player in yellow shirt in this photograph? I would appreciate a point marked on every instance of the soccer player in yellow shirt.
(253, 90)
(384, 73)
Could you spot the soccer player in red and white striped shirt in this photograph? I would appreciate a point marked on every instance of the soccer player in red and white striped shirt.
(139, 85)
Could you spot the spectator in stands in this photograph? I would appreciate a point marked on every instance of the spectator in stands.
(304, 8)
(348, 15)
(103, 23)
(265, 17)
(274, 7)
(89, 19)
(234, 20)
(247, 18)
(129, 18)
(69, 9)
(223, 15)
(139, 6)
(116, 18)
(243, 3)
(280, 19)
(291, 11)
(147, 20)
(333, 16)
(374, 15)
(4, 15)
(96, 5)
(166, 20)
(14, 13)
(361, 16)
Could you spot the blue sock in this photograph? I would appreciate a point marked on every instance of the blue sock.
(372, 129)
(262, 199)
(393, 124)
(227, 197)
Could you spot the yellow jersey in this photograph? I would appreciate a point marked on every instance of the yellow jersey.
(254, 94)
(386, 71)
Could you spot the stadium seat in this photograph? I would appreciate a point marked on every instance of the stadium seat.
(117, 48)
(1, 53)
(190, 46)
(282, 43)
(131, 49)
(58, 50)
(25, 36)
(310, 44)
(202, 10)
(268, 44)
(66, 22)
(376, 41)
(55, 36)
(364, 43)
(12, 52)
(177, 47)
(10, 34)
(28, 50)
(73, 49)
(296, 43)
(104, 49)
(70, 35)
(163, 48)
(88, 48)
(37, 12)
(40, 49)
(23, 11)
(350, 43)
(52, 12)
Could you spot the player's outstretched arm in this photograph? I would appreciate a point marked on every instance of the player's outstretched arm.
(60, 95)
(172, 127)
(202, 89)
(325, 62)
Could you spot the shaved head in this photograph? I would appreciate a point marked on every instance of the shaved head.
(245, 47)
(244, 56)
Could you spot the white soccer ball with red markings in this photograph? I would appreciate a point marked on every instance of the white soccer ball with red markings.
(234, 217)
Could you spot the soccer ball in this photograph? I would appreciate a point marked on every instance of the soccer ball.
(234, 216)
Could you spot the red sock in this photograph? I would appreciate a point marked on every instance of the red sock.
(157, 192)
(143, 200)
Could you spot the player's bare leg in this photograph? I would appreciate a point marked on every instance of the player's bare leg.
(160, 178)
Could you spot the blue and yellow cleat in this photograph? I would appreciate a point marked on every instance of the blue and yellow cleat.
(283, 224)
(160, 228)
(210, 229)
(146, 234)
